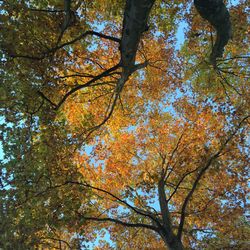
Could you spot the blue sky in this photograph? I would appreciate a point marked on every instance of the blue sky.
(1, 146)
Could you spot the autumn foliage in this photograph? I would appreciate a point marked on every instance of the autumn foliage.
(101, 151)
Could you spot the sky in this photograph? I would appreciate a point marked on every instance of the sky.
(1, 146)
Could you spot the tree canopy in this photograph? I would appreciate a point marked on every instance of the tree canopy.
(116, 134)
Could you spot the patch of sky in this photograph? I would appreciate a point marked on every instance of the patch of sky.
(102, 235)
(94, 161)
(180, 34)
(88, 149)
(233, 3)
(1, 151)
(233, 199)
(98, 27)
(206, 232)
(2, 121)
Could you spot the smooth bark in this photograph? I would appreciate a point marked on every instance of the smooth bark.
(166, 231)
(216, 13)
(135, 20)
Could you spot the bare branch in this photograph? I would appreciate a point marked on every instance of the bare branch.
(173, 153)
(46, 98)
(94, 79)
(224, 79)
(138, 211)
(123, 223)
(45, 10)
(180, 181)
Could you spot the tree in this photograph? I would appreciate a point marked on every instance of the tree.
(109, 129)
(217, 14)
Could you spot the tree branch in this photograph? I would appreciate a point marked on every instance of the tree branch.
(54, 49)
(94, 79)
(123, 223)
(216, 13)
(172, 155)
(167, 223)
(180, 181)
(46, 98)
(138, 211)
(202, 172)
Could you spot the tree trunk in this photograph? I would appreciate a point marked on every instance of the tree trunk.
(166, 232)
(135, 20)
(175, 243)
(216, 13)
